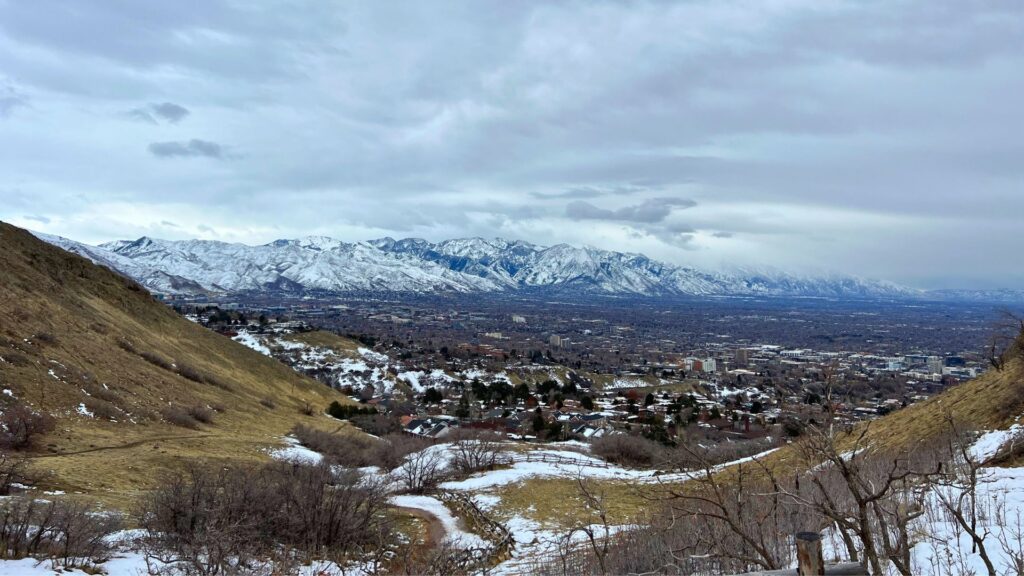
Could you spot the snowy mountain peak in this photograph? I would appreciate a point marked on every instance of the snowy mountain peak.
(458, 265)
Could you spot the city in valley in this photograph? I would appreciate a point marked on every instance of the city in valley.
(742, 373)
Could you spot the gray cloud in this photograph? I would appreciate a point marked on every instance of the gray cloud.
(141, 115)
(193, 148)
(10, 98)
(9, 103)
(170, 111)
(592, 192)
(808, 133)
(151, 114)
(40, 219)
(649, 211)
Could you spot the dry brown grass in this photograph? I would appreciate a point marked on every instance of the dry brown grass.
(324, 339)
(557, 502)
(87, 313)
(992, 401)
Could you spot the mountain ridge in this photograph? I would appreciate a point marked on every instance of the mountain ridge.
(459, 265)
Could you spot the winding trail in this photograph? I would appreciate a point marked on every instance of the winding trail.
(435, 529)
(125, 446)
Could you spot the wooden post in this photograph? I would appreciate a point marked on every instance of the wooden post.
(808, 554)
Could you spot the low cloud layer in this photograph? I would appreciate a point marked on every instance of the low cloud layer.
(878, 138)
(650, 211)
(190, 149)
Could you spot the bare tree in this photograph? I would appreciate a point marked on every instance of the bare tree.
(740, 515)
(472, 452)
(21, 426)
(597, 538)
(957, 490)
(1007, 340)
(421, 470)
(13, 470)
(871, 498)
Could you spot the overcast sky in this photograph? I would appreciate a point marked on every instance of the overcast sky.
(877, 138)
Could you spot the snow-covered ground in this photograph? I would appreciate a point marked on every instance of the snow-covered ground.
(364, 368)
(296, 452)
(454, 533)
(251, 341)
(945, 548)
(990, 442)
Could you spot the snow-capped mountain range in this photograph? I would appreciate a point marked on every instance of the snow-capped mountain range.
(466, 265)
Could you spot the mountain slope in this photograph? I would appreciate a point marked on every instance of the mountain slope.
(992, 401)
(74, 343)
(468, 265)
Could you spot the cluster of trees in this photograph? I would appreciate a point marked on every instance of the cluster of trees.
(346, 411)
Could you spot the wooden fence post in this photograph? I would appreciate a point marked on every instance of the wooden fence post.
(808, 554)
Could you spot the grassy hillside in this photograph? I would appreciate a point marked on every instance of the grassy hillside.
(992, 401)
(77, 339)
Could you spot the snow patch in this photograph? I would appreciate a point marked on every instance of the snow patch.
(296, 452)
(455, 535)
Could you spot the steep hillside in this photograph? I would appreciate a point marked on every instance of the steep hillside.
(992, 401)
(113, 366)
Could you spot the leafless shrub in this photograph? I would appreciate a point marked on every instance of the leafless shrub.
(20, 426)
(1007, 340)
(102, 409)
(422, 470)
(45, 338)
(268, 403)
(194, 374)
(190, 373)
(396, 447)
(103, 393)
(871, 497)
(126, 345)
(217, 382)
(225, 520)
(178, 416)
(349, 451)
(16, 359)
(13, 470)
(307, 409)
(71, 533)
(201, 414)
(629, 450)
(156, 360)
(475, 451)
(377, 424)
(443, 560)
(141, 414)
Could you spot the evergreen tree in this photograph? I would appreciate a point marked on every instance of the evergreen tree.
(538, 421)
(462, 411)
